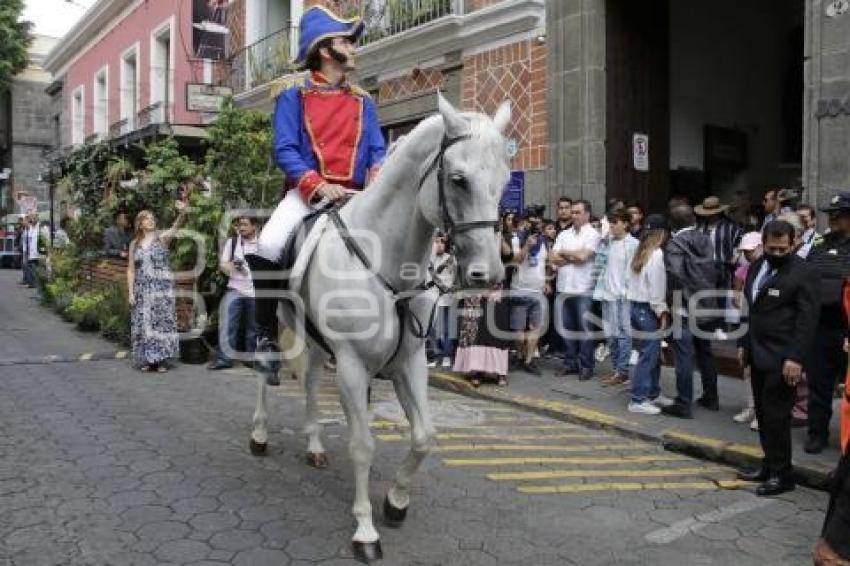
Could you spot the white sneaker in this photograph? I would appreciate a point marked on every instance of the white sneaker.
(644, 408)
(432, 364)
(633, 358)
(601, 353)
(663, 401)
(720, 335)
(447, 362)
(754, 425)
(746, 414)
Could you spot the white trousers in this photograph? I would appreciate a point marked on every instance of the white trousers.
(281, 224)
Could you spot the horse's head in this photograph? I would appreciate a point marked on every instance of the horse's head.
(471, 174)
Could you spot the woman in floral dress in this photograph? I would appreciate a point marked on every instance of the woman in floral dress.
(151, 293)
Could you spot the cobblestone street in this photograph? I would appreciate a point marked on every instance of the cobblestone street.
(101, 464)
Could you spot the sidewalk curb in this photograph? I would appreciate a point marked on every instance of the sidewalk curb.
(68, 359)
(706, 448)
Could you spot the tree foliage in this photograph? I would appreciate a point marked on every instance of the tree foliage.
(239, 158)
(15, 41)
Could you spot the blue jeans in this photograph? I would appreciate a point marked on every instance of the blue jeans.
(29, 272)
(645, 381)
(442, 334)
(687, 349)
(240, 315)
(617, 315)
(579, 345)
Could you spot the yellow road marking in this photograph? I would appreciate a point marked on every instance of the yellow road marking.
(86, 357)
(625, 486)
(556, 460)
(385, 424)
(695, 439)
(470, 436)
(121, 355)
(533, 447)
(555, 474)
(523, 418)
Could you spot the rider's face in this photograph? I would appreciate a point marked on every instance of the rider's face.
(344, 47)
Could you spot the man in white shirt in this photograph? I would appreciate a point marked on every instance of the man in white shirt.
(573, 255)
(31, 253)
(237, 306)
(810, 234)
(527, 294)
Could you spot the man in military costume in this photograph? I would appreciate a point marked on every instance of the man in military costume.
(327, 141)
(831, 255)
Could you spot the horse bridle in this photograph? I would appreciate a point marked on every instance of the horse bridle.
(400, 299)
(449, 225)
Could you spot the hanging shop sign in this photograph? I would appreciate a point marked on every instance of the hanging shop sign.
(206, 98)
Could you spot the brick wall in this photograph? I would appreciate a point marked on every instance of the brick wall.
(105, 273)
(515, 72)
(237, 24)
(472, 5)
(416, 82)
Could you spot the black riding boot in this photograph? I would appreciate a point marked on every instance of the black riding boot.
(267, 354)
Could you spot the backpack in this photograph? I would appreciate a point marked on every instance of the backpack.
(696, 272)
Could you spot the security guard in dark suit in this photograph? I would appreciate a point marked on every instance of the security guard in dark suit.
(831, 256)
(781, 293)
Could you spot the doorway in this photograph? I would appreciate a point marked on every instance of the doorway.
(717, 87)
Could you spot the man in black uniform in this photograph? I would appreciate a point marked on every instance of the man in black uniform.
(830, 254)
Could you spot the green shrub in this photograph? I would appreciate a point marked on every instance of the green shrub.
(59, 293)
(85, 310)
(115, 317)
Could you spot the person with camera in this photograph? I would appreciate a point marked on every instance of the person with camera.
(528, 287)
(237, 306)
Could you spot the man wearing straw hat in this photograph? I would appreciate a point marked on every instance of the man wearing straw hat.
(328, 142)
(725, 236)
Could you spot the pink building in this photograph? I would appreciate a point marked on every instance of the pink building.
(131, 64)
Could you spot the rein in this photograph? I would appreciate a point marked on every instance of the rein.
(400, 300)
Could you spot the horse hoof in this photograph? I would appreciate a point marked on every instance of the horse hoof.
(367, 552)
(393, 516)
(318, 460)
(258, 449)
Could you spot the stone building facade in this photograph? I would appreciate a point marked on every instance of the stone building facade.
(734, 98)
(31, 131)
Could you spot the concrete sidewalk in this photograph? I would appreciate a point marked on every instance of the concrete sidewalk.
(710, 435)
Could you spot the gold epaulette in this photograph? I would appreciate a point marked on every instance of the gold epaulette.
(285, 82)
(359, 91)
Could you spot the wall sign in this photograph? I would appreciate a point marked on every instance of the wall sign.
(837, 8)
(514, 195)
(833, 107)
(205, 98)
(640, 151)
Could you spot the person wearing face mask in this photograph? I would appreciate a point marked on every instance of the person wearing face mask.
(781, 292)
(327, 141)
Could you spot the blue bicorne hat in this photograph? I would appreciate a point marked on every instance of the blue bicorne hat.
(318, 23)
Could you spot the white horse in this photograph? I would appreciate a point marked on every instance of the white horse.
(448, 173)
